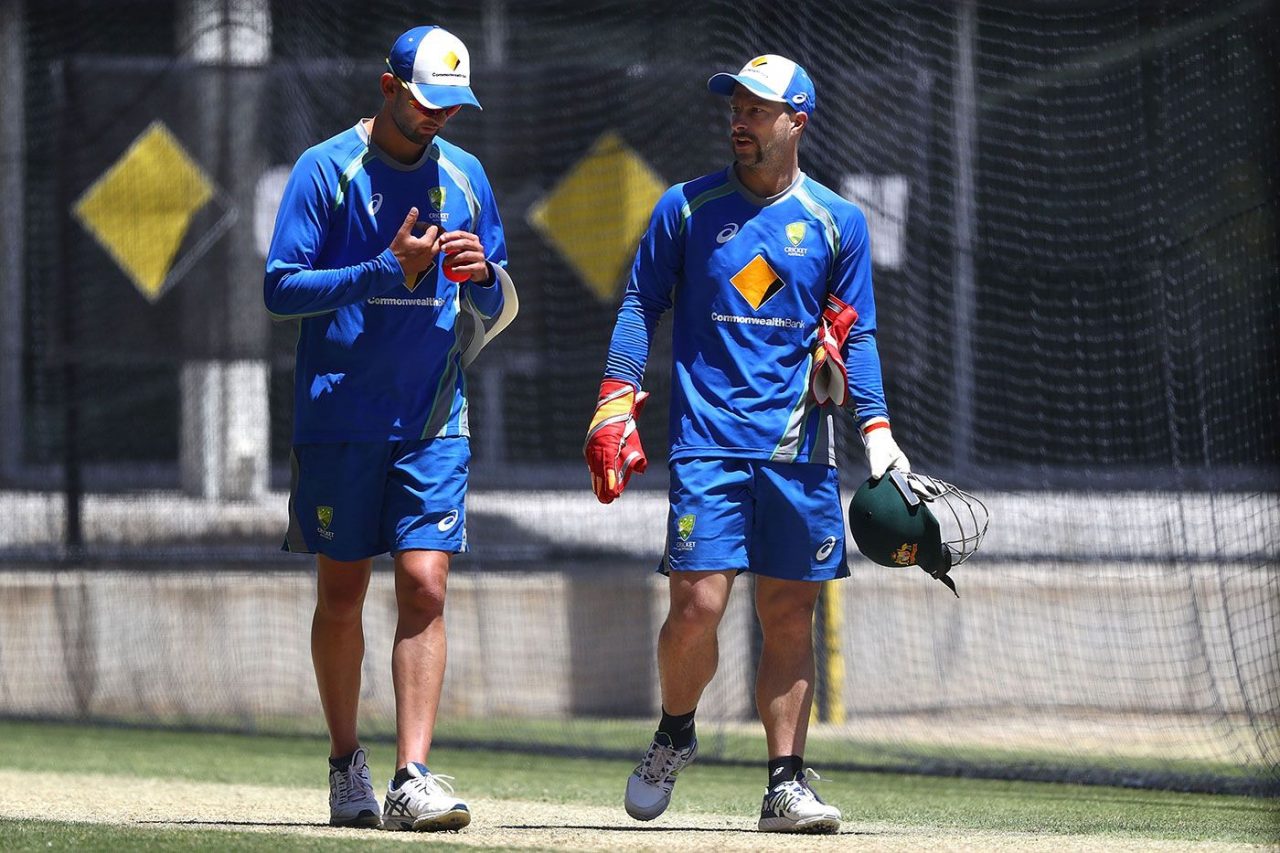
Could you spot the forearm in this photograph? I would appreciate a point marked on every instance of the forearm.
(291, 290)
(487, 296)
(632, 336)
(866, 385)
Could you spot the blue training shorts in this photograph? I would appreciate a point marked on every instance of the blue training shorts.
(355, 500)
(777, 519)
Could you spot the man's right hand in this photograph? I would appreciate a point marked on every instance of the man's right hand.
(613, 450)
(414, 253)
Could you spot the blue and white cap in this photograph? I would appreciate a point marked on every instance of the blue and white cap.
(774, 78)
(436, 67)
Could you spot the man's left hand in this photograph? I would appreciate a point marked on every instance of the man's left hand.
(883, 453)
(463, 257)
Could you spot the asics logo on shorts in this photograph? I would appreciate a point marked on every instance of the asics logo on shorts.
(727, 233)
(448, 521)
(824, 550)
(375, 202)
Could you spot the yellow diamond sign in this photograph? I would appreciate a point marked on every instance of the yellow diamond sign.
(139, 211)
(595, 215)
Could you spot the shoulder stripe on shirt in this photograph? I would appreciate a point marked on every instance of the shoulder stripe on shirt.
(459, 178)
(350, 171)
(688, 208)
(829, 227)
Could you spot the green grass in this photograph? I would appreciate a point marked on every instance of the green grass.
(902, 800)
(828, 747)
(28, 836)
(831, 748)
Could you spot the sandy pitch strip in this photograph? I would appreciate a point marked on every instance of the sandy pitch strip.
(514, 824)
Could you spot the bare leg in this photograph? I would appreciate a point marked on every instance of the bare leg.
(337, 646)
(688, 651)
(418, 655)
(784, 682)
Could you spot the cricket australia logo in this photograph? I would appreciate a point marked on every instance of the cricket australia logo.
(904, 556)
(437, 197)
(795, 236)
(684, 529)
(324, 514)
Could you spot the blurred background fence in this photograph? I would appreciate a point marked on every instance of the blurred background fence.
(1073, 215)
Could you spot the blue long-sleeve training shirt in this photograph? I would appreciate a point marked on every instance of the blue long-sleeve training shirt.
(378, 357)
(748, 278)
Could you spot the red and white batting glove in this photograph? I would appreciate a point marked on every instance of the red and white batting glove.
(883, 453)
(613, 449)
(829, 379)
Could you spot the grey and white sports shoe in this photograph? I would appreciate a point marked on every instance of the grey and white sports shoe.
(795, 807)
(351, 798)
(425, 803)
(650, 784)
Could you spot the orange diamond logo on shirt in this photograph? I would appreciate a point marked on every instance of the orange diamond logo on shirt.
(417, 280)
(757, 282)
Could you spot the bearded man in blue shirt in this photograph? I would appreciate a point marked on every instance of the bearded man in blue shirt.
(768, 276)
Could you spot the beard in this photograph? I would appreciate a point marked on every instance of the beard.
(408, 128)
(750, 156)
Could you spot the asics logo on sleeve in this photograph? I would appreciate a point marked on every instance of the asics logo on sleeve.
(375, 202)
(448, 521)
(824, 551)
(727, 233)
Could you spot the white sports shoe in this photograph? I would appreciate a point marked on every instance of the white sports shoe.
(794, 807)
(649, 786)
(425, 803)
(351, 798)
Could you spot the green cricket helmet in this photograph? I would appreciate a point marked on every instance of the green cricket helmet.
(893, 523)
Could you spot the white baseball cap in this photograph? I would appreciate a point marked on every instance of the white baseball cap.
(436, 67)
(774, 78)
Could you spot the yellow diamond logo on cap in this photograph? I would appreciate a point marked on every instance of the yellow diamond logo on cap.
(452, 61)
(595, 215)
(140, 209)
(757, 282)
(758, 61)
